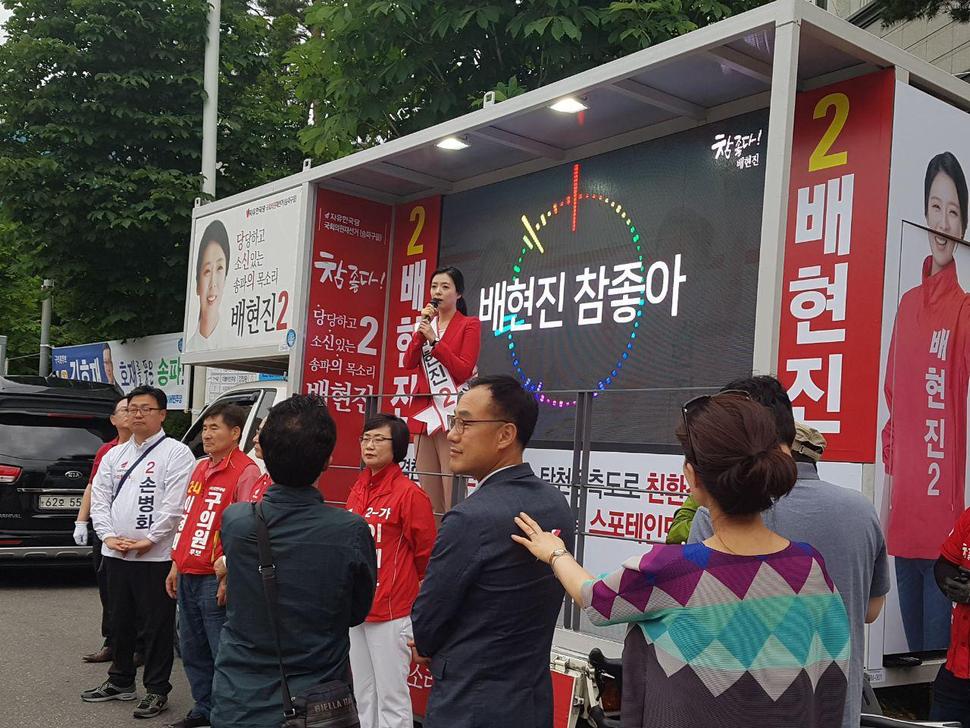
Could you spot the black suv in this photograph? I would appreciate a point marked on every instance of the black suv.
(50, 430)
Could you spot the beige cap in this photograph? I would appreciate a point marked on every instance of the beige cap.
(808, 441)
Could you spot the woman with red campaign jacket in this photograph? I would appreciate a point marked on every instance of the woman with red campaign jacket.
(402, 523)
(444, 351)
(924, 440)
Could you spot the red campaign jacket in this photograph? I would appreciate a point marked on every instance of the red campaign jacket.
(99, 456)
(211, 489)
(401, 521)
(457, 349)
(256, 492)
(957, 551)
(926, 488)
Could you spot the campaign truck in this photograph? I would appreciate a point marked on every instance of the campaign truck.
(752, 197)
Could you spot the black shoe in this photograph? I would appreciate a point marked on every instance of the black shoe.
(105, 654)
(191, 721)
(151, 705)
(107, 692)
(139, 659)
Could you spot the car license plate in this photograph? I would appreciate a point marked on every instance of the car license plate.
(59, 502)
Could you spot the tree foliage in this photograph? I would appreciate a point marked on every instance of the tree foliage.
(894, 11)
(378, 69)
(100, 143)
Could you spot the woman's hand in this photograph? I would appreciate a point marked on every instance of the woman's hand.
(429, 312)
(541, 544)
(426, 331)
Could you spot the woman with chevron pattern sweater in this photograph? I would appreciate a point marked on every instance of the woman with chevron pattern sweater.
(744, 630)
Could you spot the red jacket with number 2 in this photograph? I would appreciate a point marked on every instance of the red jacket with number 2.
(457, 349)
(401, 521)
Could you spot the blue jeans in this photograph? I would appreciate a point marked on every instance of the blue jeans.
(200, 624)
(951, 698)
(924, 608)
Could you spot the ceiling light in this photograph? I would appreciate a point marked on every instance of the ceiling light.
(569, 105)
(453, 143)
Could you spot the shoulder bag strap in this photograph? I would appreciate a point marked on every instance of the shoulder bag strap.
(124, 478)
(267, 570)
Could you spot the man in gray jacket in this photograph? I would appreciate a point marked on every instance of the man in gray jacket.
(487, 609)
(839, 522)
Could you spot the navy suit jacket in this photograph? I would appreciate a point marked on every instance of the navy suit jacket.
(487, 608)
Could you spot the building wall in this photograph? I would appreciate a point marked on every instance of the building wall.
(940, 41)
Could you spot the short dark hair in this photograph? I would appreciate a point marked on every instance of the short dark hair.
(511, 402)
(946, 163)
(232, 414)
(735, 453)
(297, 440)
(400, 435)
(768, 391)
(161, 399)
(459, 280)
(215, 232)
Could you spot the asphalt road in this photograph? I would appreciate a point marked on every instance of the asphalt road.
(49, 617)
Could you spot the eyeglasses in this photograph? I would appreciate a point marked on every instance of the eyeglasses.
(376, 439)
(458, 424)
(142, 410)
(694, 404)
(121, 411)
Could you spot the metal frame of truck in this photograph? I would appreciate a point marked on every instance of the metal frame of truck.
(756, 60)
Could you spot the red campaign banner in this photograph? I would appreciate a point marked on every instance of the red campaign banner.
(417, 228)
(344, 320)
(835, 249)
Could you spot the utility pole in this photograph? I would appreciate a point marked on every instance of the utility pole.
(44, 365)
(210, 132)
(3, 356)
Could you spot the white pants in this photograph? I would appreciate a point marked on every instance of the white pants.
(381, 660)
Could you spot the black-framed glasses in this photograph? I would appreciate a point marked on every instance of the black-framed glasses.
(697, 402)
(458, 424)
(144, 410)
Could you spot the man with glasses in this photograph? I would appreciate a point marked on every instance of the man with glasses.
(487, 610)
(841, 523)
(136, 505)
(119, 420)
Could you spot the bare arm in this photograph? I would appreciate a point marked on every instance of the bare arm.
(875, 607)
(84, 512)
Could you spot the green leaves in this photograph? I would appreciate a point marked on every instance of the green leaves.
(377, 69)
(100, 139)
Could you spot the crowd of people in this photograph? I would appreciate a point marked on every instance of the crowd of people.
(757, 620)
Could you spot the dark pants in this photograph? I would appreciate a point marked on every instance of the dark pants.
(924, 608)
(951, 698)
(102, 578)
(200, 624)
(138, 599)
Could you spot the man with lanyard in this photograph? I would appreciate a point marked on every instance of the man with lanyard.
(192, 579)
(136, 503)
(119, 419)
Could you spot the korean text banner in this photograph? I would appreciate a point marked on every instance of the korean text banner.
(154, 361)
(348, 275)
(828, 353)
(416, 229)
(242, 273)
(631, 270)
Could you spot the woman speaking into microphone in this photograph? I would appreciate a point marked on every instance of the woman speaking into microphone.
(444, 350)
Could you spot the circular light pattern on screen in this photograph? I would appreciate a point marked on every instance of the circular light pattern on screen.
(534, 246)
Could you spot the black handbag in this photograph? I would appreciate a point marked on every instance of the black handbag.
(327, 705)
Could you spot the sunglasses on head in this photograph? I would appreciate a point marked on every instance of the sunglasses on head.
(695, 404)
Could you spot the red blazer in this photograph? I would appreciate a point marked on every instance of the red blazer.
(457, 349)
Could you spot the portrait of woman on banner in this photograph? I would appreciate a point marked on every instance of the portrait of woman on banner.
(211, 270)
(924, 439)
(444, 350)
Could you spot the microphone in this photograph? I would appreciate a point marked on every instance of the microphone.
(434, 302)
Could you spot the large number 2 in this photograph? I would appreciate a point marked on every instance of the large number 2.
(821, 159)
(933, 470)
(364, 346)
(417, 214)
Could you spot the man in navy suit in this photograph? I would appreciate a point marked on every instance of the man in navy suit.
(487, 609)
